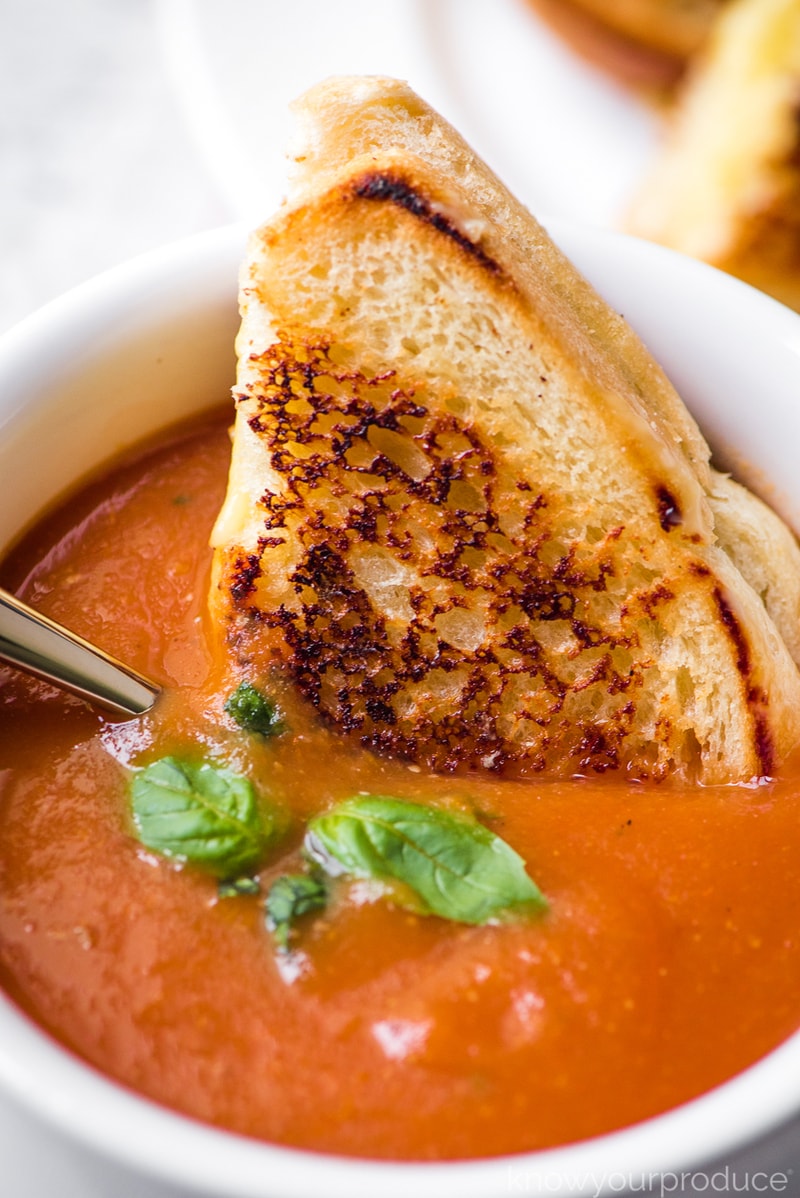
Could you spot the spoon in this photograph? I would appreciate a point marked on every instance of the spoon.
(38, 645)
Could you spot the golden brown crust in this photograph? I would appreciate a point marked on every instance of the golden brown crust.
(438, 501)
(677, 27)
(643, 43)
(766, 253)
(467, 512)
(726, 186)
(381, 125)
(500, 643)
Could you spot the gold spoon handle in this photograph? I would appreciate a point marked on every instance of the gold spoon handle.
(38, 645)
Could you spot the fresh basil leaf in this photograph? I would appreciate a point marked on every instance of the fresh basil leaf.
(291, 896)
(455, 867)
(234, 887)
(200, 813)
(253, 711)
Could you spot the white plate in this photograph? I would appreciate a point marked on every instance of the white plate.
(566, 139)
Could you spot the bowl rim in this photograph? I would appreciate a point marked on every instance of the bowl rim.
(118, 1124)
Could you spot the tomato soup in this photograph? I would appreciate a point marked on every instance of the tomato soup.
(668, 957)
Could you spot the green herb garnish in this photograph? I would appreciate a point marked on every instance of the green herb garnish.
(455, 867)
(200, 813)
(253, 711)
(234, 887)
(290, 897)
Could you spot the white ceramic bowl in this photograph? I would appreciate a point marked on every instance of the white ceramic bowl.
(149, 343)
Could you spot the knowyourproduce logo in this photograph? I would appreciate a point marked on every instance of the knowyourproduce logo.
(660, 1185)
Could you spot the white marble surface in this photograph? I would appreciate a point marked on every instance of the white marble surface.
(96, 162)
(126, 124)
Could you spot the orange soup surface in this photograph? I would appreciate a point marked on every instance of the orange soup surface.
(668, 958)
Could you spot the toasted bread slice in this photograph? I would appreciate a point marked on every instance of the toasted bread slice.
(644, 43)
(467, 512)
(764, 550)
(727, 185)
(675, 27)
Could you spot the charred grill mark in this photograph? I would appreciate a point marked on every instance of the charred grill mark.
(597, 751)
(479, 547)
(654, 598)
(734, 630)
(669, 512)
(764, 744)
(541, 600)
(385, 186)
(245, 573)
